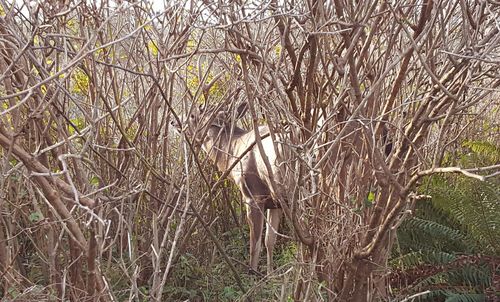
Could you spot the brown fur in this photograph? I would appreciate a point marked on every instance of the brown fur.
(225, 143)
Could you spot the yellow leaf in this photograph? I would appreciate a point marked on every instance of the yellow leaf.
(80, 82)
(72, 25)
(191, 44)
(79, 123)
(153, 48)
(277, 50)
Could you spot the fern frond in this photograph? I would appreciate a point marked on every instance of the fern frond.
(484, 150)
(451, 247)
(414, 259)
(417, 234)
(463, 297)
(475, 205)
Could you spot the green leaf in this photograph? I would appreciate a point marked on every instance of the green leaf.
(371, 197)
(13, 292)
(78, 122)
(94, 181)
(35, 217)
(230, 293)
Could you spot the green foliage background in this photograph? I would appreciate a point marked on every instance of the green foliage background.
(451, 246)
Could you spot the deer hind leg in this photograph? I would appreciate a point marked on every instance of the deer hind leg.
(273, 222)
(255, 216)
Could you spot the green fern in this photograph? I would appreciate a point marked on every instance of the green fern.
(413, 259)
(419, 234)
(474, 205)
(446, 296)
(483, 150)
(465, 298)
(468, 282)
(451, 246)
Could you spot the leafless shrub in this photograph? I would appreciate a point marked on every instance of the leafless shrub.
(366, 97)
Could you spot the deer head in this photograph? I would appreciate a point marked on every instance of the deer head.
(207, 121)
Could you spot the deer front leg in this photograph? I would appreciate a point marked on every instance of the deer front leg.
(255, 216)
(273, 222)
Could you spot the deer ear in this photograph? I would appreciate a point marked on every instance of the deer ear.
(241, 110)
(220, 118)
(201, 107)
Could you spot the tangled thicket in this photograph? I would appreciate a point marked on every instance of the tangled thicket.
(99, 198)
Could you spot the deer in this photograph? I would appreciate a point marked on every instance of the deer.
(231, 147)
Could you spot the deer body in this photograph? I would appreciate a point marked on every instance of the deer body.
(224, 147)
(231, 147)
